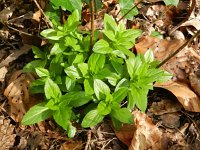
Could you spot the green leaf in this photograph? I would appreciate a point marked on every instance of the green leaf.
(84, 69)
(73, 20)
(120, 94)
(51, 89)
(139, 97)
(149, 56)
(88, 86)
(52, 105)
(37, 52)
(55, 67)
(102, 47)
(41, 72)
(124, 50)
(96, 62)
(37, 86)
(171, 2)
(72, 72)
(125, 6)
(101, 90)
(62, 116)
(70, 83)
(71, 130)
(103, 108)
(30, 67)
(110, 35)
(91, 119)
(131, 101)
(109, 23)
(76, 98)
(69, 5)
(36, 114)
(123, 115)
(58, 48)
(50, 34)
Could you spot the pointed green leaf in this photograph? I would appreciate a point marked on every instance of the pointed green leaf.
(36, 114)
(62, 116)
(91, 119)
(41, 72)
(101, 90)
(102, 47)
(51, 89)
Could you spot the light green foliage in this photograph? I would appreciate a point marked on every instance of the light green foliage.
(171, 2)
(125, 6)
(72, 77)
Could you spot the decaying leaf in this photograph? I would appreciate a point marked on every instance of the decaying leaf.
(184, 94)
(125, 133)
(6, 13)
(147, 135)
(3, 72)
(7, 137)
(17, 93)
(165, 107)
(77, 145)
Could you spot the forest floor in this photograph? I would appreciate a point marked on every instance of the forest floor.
(172, 120)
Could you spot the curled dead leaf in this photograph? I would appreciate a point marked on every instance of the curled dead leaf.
(147, 135)
(18, 95)
(7, 137)
(183, 93)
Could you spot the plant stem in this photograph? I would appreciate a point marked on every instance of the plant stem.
(92, 24)
(129, 11)
(179, 49)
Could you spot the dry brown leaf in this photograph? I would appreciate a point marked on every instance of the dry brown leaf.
(18, 94)
(3, 72)
(147, 135)
(7, 137)
(37, 15)
(125, 133)
(72, 145)
(23, 50)
(164, 107)
(183, 93)
(6, 13)
(195, 82)
(171, 120)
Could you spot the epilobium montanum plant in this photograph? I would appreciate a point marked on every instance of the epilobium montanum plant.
(73, 78)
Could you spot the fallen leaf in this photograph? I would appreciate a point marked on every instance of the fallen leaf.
(18, 95)
(3, 72)
(125, 133)
(183, 93)
(164, 107)
(171, 120)
(6, 13)
(7, 137)
(147, 135)
(13, 56)
(72, 145)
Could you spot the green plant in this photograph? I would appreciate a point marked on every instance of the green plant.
(73, 77)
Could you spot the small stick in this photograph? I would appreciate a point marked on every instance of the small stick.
(89, 134)
(179, 49)
(129, 11)
(92, 24)
(48, 22)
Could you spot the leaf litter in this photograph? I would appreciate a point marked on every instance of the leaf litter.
(168, 123)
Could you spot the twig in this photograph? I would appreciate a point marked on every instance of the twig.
(179, 49)
(89, 134)
(129, 11)
(48, 22)
(92, 24)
